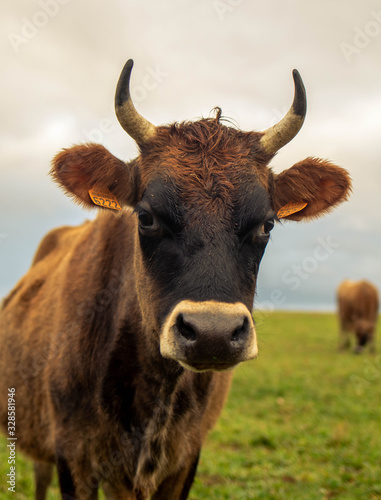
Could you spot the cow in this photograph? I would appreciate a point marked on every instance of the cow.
(119, 342)
(358, 304)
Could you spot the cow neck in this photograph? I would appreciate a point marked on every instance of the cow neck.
(138, 394)
(137, 381)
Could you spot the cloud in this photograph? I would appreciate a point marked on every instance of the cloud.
(60, 87)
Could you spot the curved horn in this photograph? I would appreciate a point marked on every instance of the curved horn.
(281, 133)
(133, 123)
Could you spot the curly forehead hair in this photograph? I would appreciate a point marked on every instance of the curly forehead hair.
(206, 153)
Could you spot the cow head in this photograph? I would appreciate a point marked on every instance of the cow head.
(205, 202)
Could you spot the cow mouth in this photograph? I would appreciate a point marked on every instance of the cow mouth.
(204, 367)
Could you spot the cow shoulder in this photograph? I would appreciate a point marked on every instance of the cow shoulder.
(55, 240)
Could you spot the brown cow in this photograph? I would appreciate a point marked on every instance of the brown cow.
(119, 340)
(358, 313)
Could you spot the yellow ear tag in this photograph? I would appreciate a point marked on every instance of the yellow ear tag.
(290, 208)
(104, 198)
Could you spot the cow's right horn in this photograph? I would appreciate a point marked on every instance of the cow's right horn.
(133, 123)
(284, 131)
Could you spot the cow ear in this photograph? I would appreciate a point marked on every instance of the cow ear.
(315, 187)
(90, 167)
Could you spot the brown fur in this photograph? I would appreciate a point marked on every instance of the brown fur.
(208, 158)
(82, 328)
(358, 304)
(314, 181)
(38, 363)
(81, 168)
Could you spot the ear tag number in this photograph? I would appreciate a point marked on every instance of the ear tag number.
(290, 208)
(104, 198)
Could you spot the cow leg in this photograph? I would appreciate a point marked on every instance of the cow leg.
(115, 494)
(177, 487)
(65, 479)
(43, 474)
(82, 486)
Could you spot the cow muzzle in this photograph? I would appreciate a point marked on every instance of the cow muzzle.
(209, 335)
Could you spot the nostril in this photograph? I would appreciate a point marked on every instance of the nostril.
(240, 332)
(185, 329)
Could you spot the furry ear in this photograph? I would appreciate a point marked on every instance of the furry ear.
(81, 168)
(316, 182)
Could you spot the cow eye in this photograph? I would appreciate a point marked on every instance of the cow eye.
(267, 226)
(145, 219)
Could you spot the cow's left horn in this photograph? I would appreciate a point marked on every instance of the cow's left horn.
(284, 131)
(133, 123)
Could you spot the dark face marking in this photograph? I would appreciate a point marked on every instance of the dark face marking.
(203, 251)
(164, 200)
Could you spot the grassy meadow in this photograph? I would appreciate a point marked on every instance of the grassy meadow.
(302, 422)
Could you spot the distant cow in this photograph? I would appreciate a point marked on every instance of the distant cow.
(120, 339)
(358, 313)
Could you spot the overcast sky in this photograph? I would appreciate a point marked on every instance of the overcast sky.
(60, 63)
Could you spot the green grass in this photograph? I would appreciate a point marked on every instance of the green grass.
(302, 422)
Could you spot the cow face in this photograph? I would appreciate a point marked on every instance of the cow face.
(205, 202)
(204, 220)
